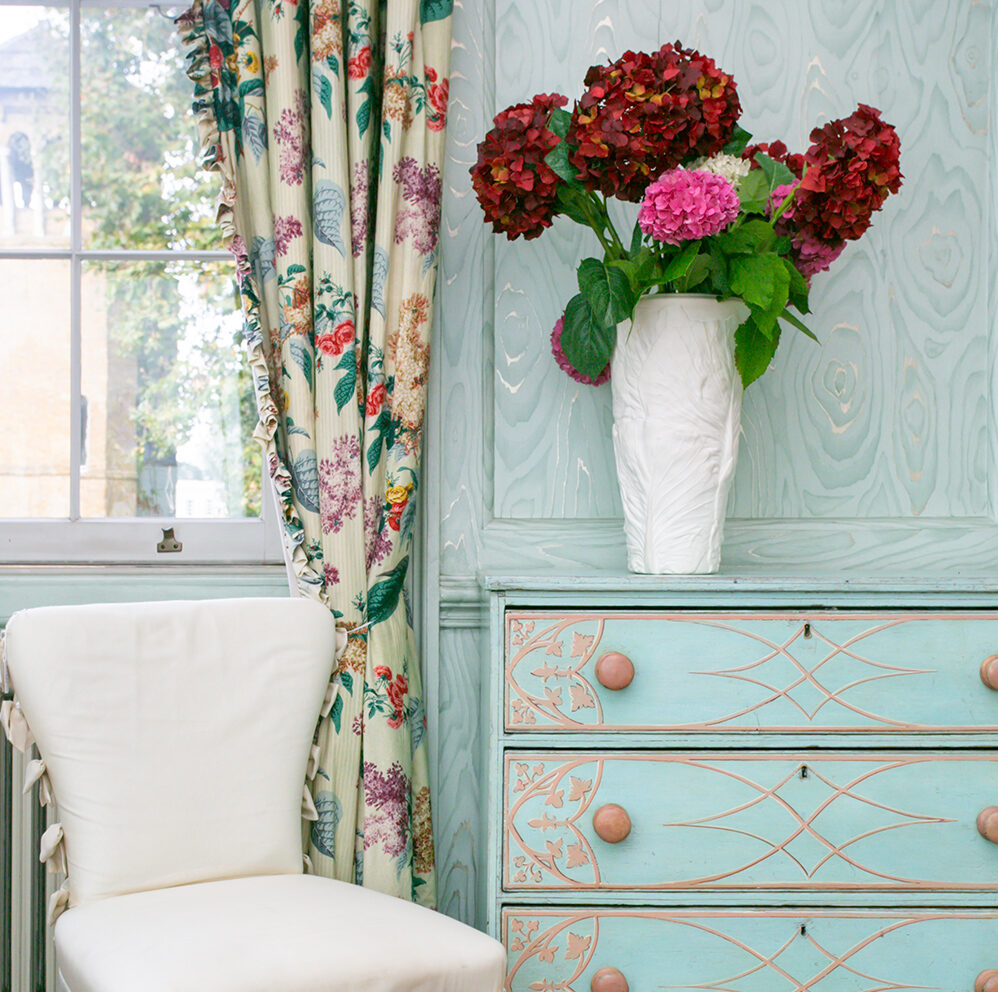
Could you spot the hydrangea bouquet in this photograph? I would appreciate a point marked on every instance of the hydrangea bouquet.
(717, 214)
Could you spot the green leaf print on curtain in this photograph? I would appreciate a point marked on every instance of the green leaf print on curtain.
(326, 120)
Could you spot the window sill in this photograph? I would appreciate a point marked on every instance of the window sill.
(26, 586)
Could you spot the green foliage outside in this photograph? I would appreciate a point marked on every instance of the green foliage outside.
(141, 189)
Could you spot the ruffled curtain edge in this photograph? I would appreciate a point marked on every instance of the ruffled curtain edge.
(197, 51)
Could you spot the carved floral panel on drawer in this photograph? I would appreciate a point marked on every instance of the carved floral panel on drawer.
(830, 821)
(759, 951)
(792, 672)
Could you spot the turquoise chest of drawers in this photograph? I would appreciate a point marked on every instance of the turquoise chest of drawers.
(742, 784)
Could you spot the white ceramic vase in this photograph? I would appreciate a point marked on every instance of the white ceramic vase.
(677, 401)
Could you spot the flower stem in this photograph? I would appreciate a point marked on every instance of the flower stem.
(611, 230)
(607, 247)
(787, 200)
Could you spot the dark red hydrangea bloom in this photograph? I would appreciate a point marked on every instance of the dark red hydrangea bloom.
(645, 114)
(514, 185)
(777, 151)
(852, 165)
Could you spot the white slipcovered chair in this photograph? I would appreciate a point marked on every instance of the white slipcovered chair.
(176, 739)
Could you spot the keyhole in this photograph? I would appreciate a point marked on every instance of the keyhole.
(803, 771)
(807, 630)
(803, 930)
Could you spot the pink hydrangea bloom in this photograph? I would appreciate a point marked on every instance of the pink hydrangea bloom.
(684, 205)
(810, 255)
(566, 366)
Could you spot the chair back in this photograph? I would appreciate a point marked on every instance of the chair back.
(175, 735)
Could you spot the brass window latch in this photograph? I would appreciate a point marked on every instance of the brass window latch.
(169, 542)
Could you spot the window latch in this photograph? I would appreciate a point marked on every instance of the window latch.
(169, 542)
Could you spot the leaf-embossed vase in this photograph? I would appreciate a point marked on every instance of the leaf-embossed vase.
(677, 400)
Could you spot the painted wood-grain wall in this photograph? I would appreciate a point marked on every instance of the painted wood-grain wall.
(874, 451)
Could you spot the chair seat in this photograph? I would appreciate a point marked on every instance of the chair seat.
(279, 933)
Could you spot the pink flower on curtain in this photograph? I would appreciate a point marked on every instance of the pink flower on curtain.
(375, 542)
(359, 65)
(339, 484)
(238, 249)
(376, 399)
(359, 206)
(387, 820)
(334, 342)
(330, 574)
(419, 220)
(437, 94)
(395, 688)
(291, 134)
(286, 229)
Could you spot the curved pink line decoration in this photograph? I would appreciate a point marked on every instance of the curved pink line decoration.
(698, 921)
(552, 778)
(550, 715)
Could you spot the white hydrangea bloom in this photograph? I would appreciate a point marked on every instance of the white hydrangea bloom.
(731, 167)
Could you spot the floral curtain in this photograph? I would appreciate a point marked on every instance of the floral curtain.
(326, 121)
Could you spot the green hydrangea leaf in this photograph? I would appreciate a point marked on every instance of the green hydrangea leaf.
(679, 264)
(636, 239)
(557, 162)
(587, 343)
(738, 141)
(753, 351)
(753, 237)
(761, 281)
(607, 291)
(753, 192)
(798, 288)
(777, 174)
(560, 121)
(570, 203)
(799, 324)
(698, 271)
(718, 268)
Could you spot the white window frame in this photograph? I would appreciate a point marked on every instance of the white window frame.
(125, 540)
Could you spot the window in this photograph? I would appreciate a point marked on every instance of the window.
(128, 403)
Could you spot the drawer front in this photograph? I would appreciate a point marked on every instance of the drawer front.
(832, 821)
(786, 672)
(749, 952)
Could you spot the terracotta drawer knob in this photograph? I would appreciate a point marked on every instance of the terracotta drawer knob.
(611, 824)
(987, 981)
(611, 980)
(987, 824)
(989, 671)
(614, 670)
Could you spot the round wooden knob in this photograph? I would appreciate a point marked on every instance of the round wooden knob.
(614, 670)
(611, 823)
(612, 980)
(987, 824)
(989, 671)
(987, 981)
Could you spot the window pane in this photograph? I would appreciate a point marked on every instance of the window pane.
(169, 401)
(34, 127)
(141, 188)
(34, 387)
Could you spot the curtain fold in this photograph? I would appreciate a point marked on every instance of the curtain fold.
(326, 122)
